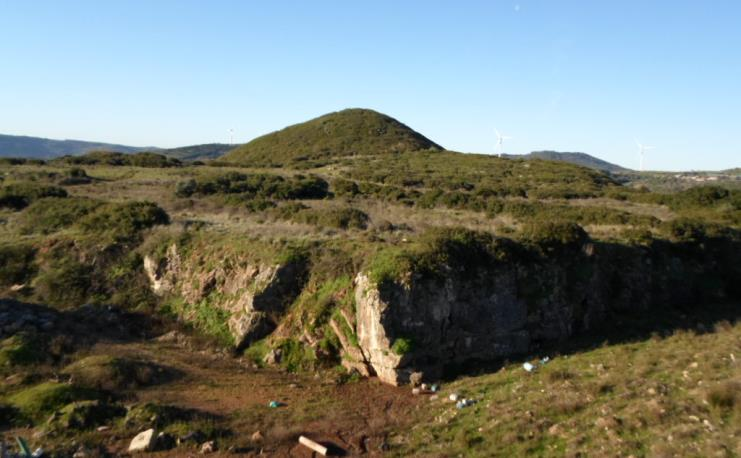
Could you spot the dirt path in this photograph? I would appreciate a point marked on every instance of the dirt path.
(353, 417)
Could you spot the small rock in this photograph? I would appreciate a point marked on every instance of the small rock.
(554, 430)
(415, 379)
(144, 441)
(434, 397)
(257, 437)
(208, 447)
(453, 397)
(103, 428)
(416, 391)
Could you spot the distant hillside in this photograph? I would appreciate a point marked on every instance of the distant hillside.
(190, 153)
(44, 148)
(582, 159)
(347, 132)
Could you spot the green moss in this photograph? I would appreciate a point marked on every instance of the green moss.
(296, 356)
(105, 372)
(257, 351)
(21, 350)
(211, 320)
(40, 400)
(402, 346)
(84, 415)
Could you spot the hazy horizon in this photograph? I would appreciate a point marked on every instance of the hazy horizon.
(573, 76)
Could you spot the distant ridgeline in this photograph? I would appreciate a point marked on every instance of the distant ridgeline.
(582, 159)
(43, 148)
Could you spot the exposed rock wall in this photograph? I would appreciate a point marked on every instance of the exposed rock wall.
(255, 295)
(507, 309)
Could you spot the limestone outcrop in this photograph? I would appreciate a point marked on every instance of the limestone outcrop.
(253, 295)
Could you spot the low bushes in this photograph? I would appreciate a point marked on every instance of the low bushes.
(16, 264)
(50, 214)
(123, 221)
(264, 186)
(20, 195)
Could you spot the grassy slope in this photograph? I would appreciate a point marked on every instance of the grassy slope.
(672, 395)
(347, 132)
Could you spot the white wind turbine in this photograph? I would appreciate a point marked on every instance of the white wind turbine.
(642, 150)
(231, 136)
(500, 141)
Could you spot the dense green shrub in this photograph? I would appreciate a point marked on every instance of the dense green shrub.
(264, 186)
(553, 234)
(20, 195)
(64, 282)
(145, 159)
(37, 402)
(347, 188)
(53, 213)
(123, 221)
(16, 264)
(340, 218)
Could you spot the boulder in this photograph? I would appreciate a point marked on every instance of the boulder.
(143, 442)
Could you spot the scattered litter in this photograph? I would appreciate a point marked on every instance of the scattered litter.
(275, 404)
(463, 403)
(733, 357)
(434, 387)
(528, 367)
(453, 397)
(320, 449)
(544, 361)
(100, 429)
(416, 391)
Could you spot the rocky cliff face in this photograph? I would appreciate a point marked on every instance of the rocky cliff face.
(509, 309)
(254, 295)
(421, 323)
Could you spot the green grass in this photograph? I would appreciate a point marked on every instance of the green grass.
(664, 396)
(40, 400)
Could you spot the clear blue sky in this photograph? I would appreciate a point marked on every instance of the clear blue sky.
(565, 75)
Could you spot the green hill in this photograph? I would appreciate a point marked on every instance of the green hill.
(582, 159)
(343, 133)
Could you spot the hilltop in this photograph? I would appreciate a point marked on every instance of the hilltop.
(582, 159)
(45, 148)
(343, 133)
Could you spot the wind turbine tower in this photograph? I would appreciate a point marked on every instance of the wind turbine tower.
(231, 136)
(642, 150)
(500, 142)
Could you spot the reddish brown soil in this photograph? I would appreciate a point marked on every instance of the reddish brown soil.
(351, 418)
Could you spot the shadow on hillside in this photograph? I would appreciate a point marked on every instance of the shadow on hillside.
(618, 328)
(82, 326)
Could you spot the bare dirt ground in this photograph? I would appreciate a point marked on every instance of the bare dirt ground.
(351, 418)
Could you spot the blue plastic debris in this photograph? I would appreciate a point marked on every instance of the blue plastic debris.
(275, 404)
